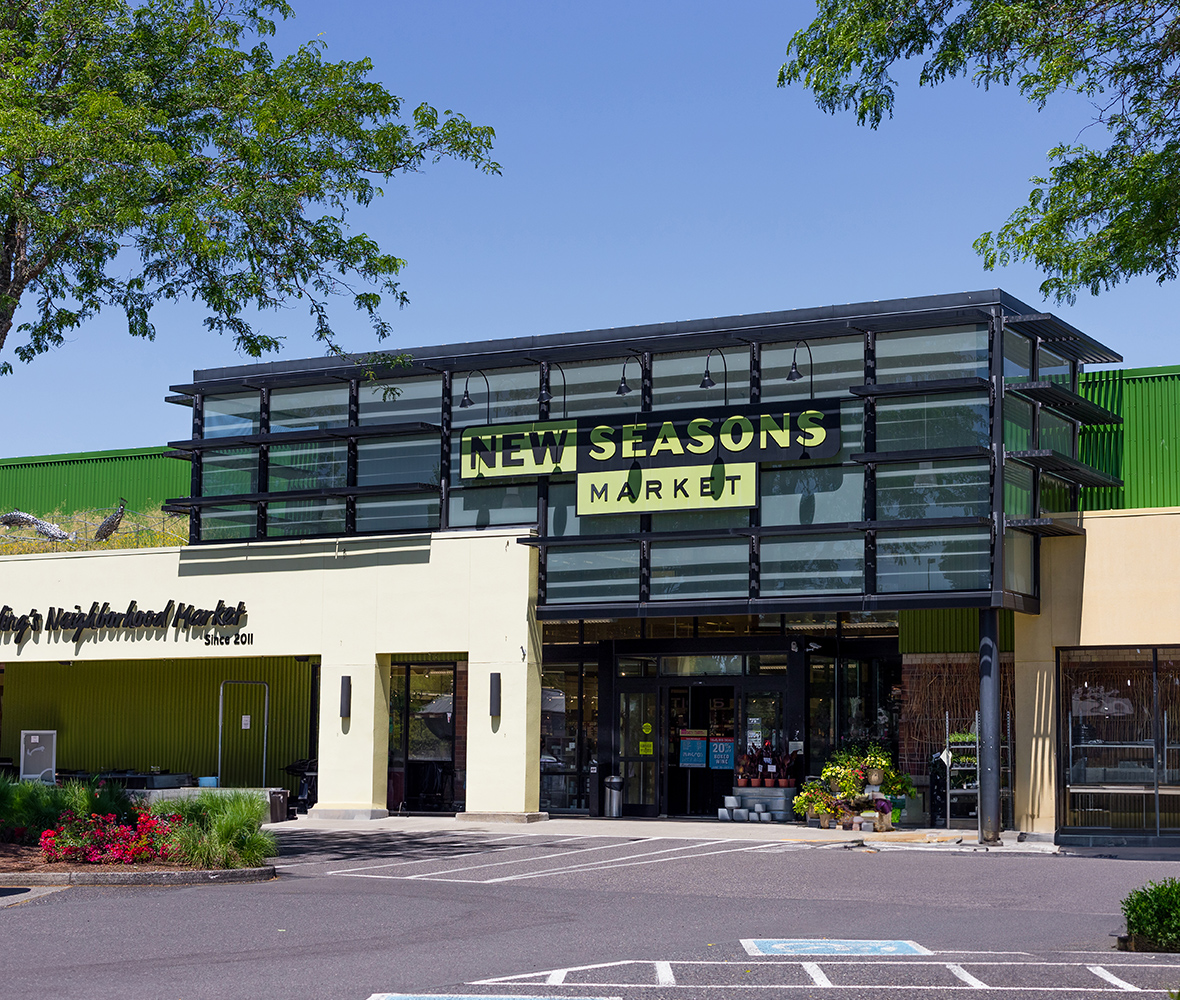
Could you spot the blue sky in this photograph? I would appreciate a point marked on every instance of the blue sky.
(652, 171)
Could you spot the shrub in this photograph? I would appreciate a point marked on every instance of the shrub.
(29, 807)
(1153, 913)
(221, 829)
(102, 839)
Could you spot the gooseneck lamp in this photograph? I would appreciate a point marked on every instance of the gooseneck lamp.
(707, 380)
(466, 401)
(794, 374)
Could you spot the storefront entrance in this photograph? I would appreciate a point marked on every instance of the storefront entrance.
(686, 723)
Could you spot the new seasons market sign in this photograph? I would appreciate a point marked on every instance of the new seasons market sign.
(100, 618)
(683, 460)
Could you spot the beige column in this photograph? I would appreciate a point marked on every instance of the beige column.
(353, 751)
(504, 751)
(1037, 639)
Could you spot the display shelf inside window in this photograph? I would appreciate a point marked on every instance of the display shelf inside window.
(922, 490)
(589, 574)
(808, 564)
(933, 560)
(953, 420)
(302, 518)
(307, 465)
(700, 569)
(229, 471)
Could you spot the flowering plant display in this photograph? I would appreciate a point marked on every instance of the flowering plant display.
(847, 770)
(815, 797)
(102, 839)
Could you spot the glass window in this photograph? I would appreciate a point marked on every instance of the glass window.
(559, 737)
(591, 387)
(400, 460)
(1018, 487)
(1058, 433)
(1109, 738)
(923, 561)
(1053, 368)
(228, 471)
(676, 379)
(565, 523)
(636, 666)
(485, 506)
(692, 570)
(227, 523)
(700, 520)
(308, 465)
(1055, 495)
(812, 495)
(927, 355)
(701, 666)
(1017, 357)
(839, 363)
(1018, 422)
(764, 729)
(956, 420)
(313, 408)
(770, 663)
(231, 416)
(397, 513)
(821, 697)
(588, 573)
(413, 400)
(933, 489)
(432, 714)
(832, 564)
(1018, 563)
(514, 398)
(300, 518)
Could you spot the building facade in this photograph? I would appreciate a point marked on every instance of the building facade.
(489, 580)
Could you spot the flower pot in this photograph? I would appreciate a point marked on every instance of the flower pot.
(874, 776)
(743, 782)
(781, 782)
(834, 785)
(755, 782)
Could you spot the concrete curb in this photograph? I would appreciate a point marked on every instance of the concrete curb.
(22, 879)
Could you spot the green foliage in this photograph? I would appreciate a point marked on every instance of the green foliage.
(848, 768)
(28, 808)
(1101, 215)
(1153, 913)
(814, 796)
(220, 829)
(169, 136)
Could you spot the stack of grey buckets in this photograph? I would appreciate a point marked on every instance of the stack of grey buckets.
(747, 809)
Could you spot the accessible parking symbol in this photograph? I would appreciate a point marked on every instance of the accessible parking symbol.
(830, 946)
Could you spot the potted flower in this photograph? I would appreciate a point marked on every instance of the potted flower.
(742, 771)
(755, 756)
(812, 800)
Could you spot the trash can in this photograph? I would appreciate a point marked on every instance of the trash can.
(278, 805)
(614, 796)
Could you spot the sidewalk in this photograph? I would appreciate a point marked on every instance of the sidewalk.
(686, 829)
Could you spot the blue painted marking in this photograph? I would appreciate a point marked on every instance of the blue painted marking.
(830, 946)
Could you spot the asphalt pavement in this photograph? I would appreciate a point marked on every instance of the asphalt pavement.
(580, 909)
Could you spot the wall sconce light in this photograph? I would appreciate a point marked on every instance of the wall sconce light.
(545, 395)
(346, 697)
(707, 380)
(466, 401)
(494, 697)
(794, 374)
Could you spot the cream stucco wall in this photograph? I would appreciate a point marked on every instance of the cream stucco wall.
(352, 602)
(1115, 586)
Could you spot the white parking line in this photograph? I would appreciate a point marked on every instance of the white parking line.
(422, 861)
(547, 857)
(664, 976)
(1114, 980)
(960, 973)
(816, 974)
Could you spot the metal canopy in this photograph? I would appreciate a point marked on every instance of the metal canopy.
(1069, 469)
(925, 312)
(1046, 526)
(1063, 400)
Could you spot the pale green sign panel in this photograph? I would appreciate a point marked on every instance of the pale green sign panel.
(685, 487)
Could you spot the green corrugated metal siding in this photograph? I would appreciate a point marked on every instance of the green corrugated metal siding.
(948, 630)
(91, 480)
(115, 715)
(1142, 450)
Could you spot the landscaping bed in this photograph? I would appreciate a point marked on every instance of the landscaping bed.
(98, 829)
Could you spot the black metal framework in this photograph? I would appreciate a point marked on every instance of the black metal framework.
(639, 345)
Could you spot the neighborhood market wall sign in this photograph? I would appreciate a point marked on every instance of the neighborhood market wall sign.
(76, 622)
(683, 460)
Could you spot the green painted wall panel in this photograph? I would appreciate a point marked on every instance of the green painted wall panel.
(88, 481)
(1142, 450)
(948, 630)
(132, 714)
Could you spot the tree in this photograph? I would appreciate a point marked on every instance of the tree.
(1102, 215)
(160, 151)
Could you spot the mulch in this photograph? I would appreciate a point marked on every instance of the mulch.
(25, 858)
